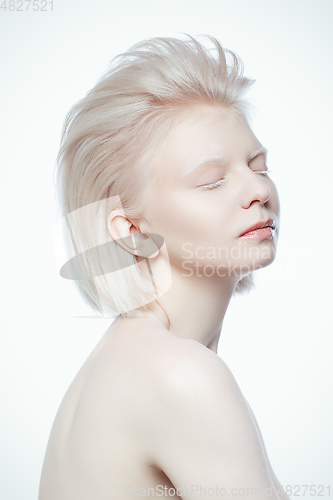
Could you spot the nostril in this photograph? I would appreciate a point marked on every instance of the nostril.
(258, 193)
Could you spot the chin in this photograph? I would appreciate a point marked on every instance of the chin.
(264, 262)
(260, 255)
(250, 265)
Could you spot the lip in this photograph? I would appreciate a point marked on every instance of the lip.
(260, 230)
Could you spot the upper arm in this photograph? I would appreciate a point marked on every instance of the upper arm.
(204, 433)
(278, 487)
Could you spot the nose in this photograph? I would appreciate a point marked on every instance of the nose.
(255, 190)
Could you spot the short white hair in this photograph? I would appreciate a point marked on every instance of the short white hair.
(106, 142)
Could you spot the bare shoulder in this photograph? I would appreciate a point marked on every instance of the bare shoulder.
(150, 383)
(178, 379)
(198, 416)
(185, 369)
(194, 380)
(154, 365)
(150, 363)
(194, 366)
(168, 365)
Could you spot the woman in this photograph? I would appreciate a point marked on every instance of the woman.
(165, 191)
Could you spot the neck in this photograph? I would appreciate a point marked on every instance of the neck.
(194, 307)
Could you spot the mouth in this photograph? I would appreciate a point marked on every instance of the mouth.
(261, 230)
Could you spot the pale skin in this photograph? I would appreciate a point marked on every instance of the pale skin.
(154, 406)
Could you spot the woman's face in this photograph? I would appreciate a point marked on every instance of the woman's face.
(210, 187)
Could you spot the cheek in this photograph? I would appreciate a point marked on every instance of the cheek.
(198, 221)
(178, 220)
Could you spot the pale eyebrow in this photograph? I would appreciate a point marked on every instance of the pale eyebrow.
(216, 160)
(257, 153)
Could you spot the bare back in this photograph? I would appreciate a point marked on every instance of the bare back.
(113, 434)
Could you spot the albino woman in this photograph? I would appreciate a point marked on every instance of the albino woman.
(165, 193)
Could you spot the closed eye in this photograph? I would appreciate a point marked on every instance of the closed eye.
(220, 181)
(262, 172)
(213, 185)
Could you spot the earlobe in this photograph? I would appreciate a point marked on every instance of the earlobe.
(129, 237)
(147, 245)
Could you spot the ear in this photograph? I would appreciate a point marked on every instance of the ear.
(129, 237)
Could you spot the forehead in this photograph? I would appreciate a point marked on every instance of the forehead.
(207, 131)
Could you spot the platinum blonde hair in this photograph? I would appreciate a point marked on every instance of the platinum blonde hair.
(107, 145)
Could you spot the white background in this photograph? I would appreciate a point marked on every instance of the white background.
(277, 340)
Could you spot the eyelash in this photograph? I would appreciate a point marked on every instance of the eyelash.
(213, 185)
(218, 183)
